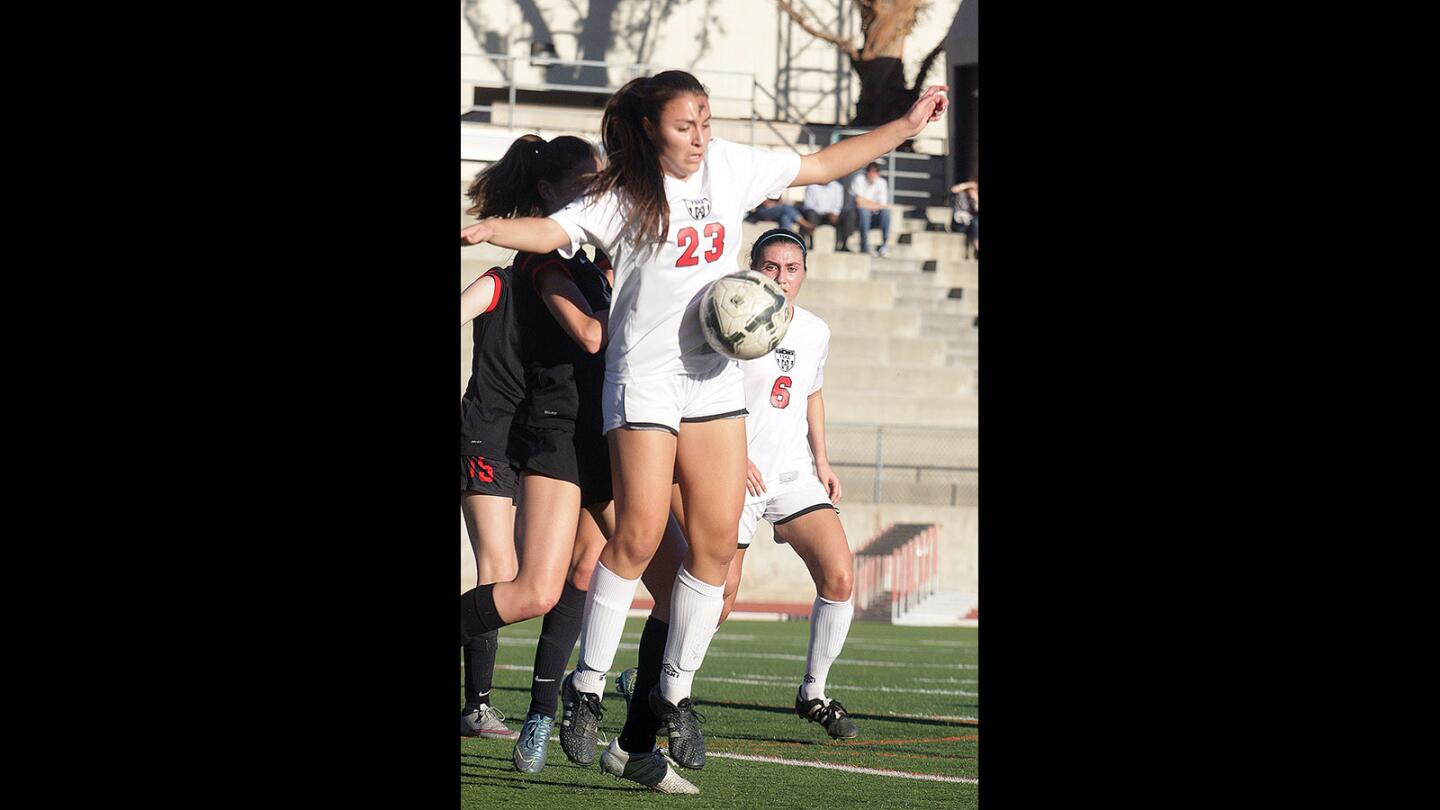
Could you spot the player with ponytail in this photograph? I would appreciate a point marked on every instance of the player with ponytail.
(668, 210)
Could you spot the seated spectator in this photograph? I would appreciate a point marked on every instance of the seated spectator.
(787, 215)
(826, 205)
(872, 204)
(967, 211)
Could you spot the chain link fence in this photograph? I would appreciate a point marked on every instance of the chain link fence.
(890, 464)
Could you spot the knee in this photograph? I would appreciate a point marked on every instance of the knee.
(633, 550)
(538, 601)
(836, 582)
(580, 575)
(717, 554)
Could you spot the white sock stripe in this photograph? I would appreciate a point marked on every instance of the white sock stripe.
(695, 609)
(607, 605)
(829, 625)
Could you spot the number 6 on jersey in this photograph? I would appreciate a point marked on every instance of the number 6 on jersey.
(780, 393)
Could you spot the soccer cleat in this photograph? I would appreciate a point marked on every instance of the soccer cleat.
(682, 722)
(651, 770)
(481, 720)
(529, 756)
(625, 685)
(831, 715)
(579, 723)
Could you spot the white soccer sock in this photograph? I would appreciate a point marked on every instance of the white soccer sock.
(607, 603)
(695, 608)
(829, 625)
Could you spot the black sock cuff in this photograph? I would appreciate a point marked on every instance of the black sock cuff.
(572, 599)
(477, 613)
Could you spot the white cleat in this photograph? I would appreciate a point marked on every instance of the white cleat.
(651, 770)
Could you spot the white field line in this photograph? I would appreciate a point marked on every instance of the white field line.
(762, 680)
(862, 645)
(869, 645)
(523, 642)
(929, 777)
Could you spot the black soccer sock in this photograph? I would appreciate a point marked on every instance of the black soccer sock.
(480, 667)
(557, 638)
(477, 612)
(638, 736)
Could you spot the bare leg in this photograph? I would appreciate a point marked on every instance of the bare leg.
(710, 460)
(820, 541)
(490, 522)
(732, 583)
(641, 464)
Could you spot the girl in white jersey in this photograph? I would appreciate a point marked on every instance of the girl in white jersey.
(667, 210)
(785, 426)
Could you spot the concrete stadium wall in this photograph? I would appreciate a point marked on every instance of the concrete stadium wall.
(774, 573)
(694, 36)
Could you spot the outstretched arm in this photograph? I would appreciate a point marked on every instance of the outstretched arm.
(843, 157)
(530, 234)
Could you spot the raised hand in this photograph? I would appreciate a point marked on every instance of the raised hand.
(927, 108)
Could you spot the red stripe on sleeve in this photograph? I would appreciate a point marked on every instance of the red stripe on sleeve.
(494, 272)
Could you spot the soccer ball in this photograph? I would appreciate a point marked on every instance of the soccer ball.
(744, 315)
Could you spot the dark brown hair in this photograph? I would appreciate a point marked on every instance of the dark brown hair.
(511, 185)
(633, 166)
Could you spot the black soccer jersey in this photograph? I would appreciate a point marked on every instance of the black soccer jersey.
(553, 363)
(590, 370)
(497, 375)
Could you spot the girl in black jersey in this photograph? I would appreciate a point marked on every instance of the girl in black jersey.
(520, 407)
(549, 323)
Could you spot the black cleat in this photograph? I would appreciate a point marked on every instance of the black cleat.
(833, 717)
(579, 723)
(682, 722)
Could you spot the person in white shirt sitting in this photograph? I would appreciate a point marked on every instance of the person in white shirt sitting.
(872, 206)
(826, 204)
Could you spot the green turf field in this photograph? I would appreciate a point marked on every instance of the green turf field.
(911, 690)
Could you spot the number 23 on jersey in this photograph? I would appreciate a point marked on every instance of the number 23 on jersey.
(688, 239)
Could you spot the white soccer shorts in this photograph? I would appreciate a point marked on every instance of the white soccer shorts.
(782, 504)
(662, 403)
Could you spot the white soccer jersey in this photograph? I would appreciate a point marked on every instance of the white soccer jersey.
(777, 389)
(654, 309)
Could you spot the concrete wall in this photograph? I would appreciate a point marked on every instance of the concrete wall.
(774, 573)
(694, 35)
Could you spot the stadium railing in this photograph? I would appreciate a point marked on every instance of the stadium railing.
(896, 569)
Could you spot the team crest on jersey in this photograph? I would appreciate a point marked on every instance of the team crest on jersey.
(699, 209)
(786, 358)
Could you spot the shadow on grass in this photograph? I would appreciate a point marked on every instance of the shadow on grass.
(517, 781)
(476, 769)
(790, 710)
(860, 747)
